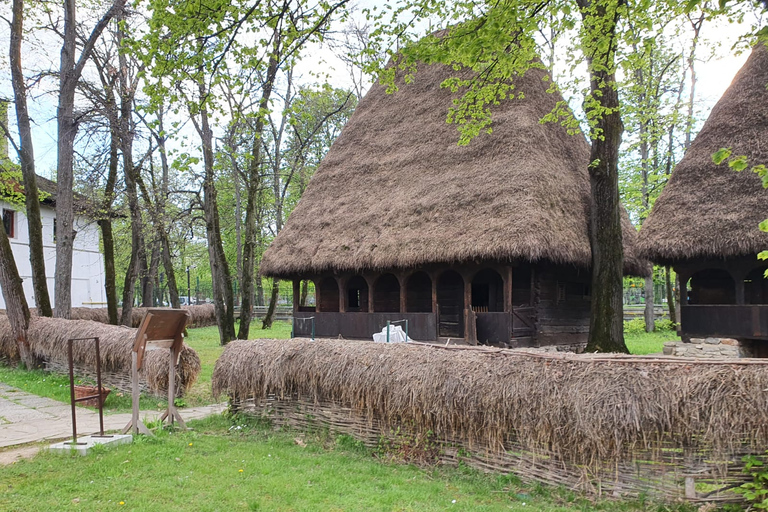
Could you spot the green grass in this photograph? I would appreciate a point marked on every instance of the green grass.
(205, 341)
(56, 386)
(640, 343)
(248, 466)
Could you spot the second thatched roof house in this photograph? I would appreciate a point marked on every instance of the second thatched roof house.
(705, 223)
(487, 242)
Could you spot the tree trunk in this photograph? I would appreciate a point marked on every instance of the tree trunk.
(27, 159)
(670, 295)
(173, 289)
(259, 291)
(304, 293)
(650, 317)
(15, 301)
(221, 278)
(606, 326)
(267, 323)
(149, 277)
(253, 187)
(105, 223)
(137, 246)
(67, 128)
(69, 74)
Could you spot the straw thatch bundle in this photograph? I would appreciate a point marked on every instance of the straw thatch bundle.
(48, 342)
(708, 210)
(396, 191)
(201, 315)
(577, 410)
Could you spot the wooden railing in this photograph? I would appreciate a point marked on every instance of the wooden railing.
(725, 321)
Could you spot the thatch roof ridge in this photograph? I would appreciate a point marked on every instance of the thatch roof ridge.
(709, 211)
(396, 191)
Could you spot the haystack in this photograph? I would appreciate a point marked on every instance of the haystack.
(48, 342)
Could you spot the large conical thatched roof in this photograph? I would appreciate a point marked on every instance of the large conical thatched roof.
(396, 191)
(708, 210)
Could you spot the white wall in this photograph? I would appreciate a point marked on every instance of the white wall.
(87, 260)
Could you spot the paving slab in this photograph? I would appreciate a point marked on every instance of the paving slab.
(26, 418)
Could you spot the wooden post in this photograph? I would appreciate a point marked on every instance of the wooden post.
(342, 294)
(738, 276)
(508, 289)
(403, 293)
(296, 294)
(433, 278)
(370, 283)
(468, 329)
(318, 298)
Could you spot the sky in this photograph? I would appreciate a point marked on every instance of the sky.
(715, 75)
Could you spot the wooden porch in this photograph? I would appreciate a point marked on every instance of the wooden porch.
(725, 321)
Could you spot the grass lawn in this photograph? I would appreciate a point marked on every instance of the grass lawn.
(640, 343)
(205, 341)
(248, 466)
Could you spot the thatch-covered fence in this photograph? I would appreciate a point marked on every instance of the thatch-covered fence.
(199, 316)
(202, 315)
(624, 425)
(48, 343)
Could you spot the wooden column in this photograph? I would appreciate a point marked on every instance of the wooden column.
(468, 328)
(507, 275)
(738, 276)
(401, 278)
(342, 294)
(317, 294)
(296, 294)
(370, 282)
(433, 277)
(683, 277)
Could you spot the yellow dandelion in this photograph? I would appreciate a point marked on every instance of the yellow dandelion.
(241, 470)
(122, 503)
(190, 444)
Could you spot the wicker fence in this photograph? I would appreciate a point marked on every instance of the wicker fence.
(614, 426)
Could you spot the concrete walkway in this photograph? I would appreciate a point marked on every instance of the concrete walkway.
(26, 418)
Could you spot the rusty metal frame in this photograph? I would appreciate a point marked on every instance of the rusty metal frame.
(74, 400)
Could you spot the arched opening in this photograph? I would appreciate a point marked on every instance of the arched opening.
(418, 293)
(712, 286)
(756, 287)
(487, 292)
(450, 304)
(329, 295)
(357, 295)
(307, 297)
(386, 294)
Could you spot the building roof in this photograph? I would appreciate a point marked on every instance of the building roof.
(709, 211)
(396, 191)
(46, 187)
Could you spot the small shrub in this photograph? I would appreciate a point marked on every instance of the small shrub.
(665, 324)
(756, 491)
(636, 326)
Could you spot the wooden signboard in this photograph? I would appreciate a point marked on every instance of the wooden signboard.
(160, 329)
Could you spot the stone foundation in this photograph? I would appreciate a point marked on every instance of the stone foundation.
(710, 348)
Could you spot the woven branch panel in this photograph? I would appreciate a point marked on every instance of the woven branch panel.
(661, 474)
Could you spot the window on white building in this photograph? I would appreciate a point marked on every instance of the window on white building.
(9, 222)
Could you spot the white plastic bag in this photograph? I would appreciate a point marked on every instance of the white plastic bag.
(396, 335)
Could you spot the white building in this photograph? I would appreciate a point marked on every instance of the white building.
(87, 260)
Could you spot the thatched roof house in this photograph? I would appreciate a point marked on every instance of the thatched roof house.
(396, 196)
(705, 221)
